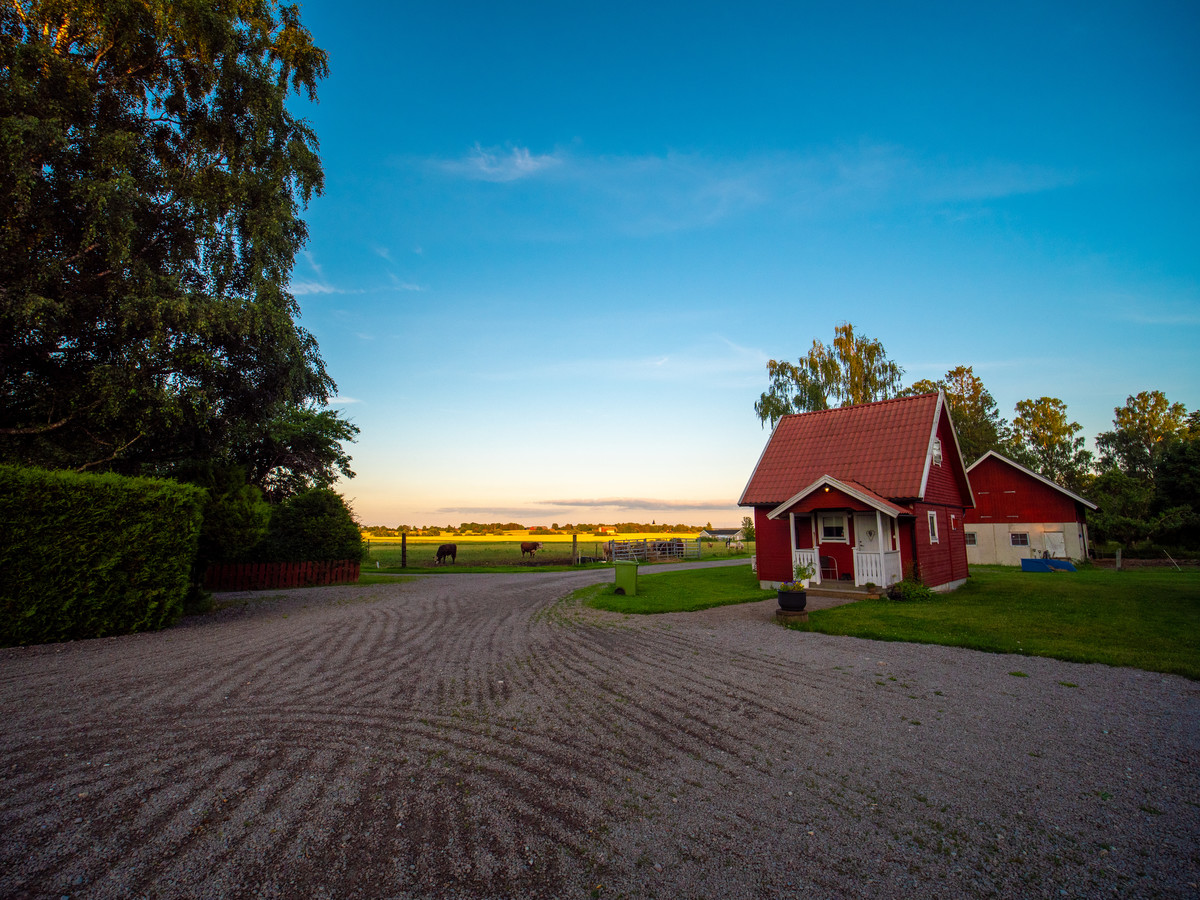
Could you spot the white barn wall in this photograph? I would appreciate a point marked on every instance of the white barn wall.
(993, 547)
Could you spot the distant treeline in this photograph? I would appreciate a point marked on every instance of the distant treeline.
(502, 527)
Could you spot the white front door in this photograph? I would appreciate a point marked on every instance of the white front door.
(866, 532)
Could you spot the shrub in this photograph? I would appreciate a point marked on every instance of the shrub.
(309, 527)
(235, 515)
(85, 556)
(909, 590)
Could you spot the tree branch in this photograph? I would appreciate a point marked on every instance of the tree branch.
(37, 429)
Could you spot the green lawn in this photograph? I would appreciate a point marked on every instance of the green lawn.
(1146, 618)
(679, 591)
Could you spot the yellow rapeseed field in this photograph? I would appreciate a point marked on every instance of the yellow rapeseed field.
(526, 536)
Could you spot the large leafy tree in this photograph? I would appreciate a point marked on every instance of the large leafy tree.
(1141, 429)
(1177, 484)
(977, 418)
(152, 178)
(853, 369)
(1146, 488)
(1045, 440)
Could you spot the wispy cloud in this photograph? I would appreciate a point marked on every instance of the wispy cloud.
(653, 194)
(715, 357)
(342, 401)
(494, 164)
(312, 262)
(307, 288)
(400, 284)
(604, 509)
(630, 504)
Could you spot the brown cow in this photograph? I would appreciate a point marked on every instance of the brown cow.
(530, 547)
(450, 550)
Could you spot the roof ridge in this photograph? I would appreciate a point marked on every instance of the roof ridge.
(830, 409)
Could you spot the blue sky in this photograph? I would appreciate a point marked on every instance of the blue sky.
(559, 242)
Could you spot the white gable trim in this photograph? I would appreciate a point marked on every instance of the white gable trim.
(828, 480)
(943, 405)
(958, 450)
(1032, 474)
(937, 417)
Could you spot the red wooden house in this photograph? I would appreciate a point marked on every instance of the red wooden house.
(1019, 514)
(864, 494)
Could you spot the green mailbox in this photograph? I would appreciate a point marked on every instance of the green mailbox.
(626, 577)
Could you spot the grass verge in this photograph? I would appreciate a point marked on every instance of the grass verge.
(685, 591)
(1145, 619)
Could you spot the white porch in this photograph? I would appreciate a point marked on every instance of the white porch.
(849, 523)
(881, 567)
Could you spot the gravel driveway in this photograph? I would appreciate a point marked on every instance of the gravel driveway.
(478, 736)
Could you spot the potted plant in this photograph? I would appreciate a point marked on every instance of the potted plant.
(793, 595)
(873, 591)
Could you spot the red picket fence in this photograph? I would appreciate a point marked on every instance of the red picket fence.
(265, 576)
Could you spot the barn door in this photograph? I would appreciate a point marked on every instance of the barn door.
(1055, 545)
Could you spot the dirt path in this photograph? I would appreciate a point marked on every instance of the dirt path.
(473, 736)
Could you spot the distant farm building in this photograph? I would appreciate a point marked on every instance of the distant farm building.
(722, 534)
(1019, 514)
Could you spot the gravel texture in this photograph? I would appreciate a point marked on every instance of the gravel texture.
(477, 736)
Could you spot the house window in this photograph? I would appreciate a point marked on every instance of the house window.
(937, 451)
(933, 529)
(970, 536)
(1019, 539)
(833, 529)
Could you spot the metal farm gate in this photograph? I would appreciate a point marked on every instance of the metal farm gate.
(646, 549)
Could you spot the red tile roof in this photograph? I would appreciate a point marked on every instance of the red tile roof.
(883, 446)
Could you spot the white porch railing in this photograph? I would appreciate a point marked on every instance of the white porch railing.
(881, 568)
(809, 558)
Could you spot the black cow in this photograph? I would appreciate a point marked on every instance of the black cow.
(450, 550)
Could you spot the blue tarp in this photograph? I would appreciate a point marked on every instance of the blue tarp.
(1047, 565)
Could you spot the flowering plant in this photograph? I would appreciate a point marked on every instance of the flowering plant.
(801, 572)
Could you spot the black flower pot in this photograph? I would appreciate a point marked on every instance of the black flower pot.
(792, 601)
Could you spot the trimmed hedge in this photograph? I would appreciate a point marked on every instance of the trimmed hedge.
(85, 556)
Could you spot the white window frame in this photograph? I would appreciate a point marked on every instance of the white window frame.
(933, 527)
(937, 451)
(840, 517)
(969, 537)
(1013, 535)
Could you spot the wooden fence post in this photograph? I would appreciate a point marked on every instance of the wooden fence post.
(574, 549)
(404, 549)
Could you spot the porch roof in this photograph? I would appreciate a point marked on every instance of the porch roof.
(851, 489)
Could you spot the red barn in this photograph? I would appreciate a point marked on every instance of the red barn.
(864, 494)
(1019, 514)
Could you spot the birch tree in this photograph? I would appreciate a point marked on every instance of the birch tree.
(152, 177)
(853, 369)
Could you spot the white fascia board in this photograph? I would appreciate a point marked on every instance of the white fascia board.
(782, 508)
(957, 449)
(937, 417)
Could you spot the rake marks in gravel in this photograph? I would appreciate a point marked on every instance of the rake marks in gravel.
(474, 736)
